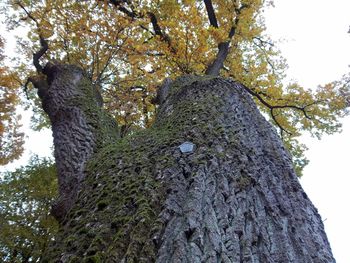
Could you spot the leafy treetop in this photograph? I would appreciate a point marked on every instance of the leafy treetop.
(128, 46)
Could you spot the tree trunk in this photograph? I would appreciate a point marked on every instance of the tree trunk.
(79, 126)
(234, 197)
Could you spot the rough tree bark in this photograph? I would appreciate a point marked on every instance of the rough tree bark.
(233, 198)
(79, 127)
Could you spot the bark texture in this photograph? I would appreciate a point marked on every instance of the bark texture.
(234, 198)
(79, 127)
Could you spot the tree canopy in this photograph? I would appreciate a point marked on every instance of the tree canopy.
(128, 47)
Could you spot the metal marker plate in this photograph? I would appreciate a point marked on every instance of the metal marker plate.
(187, 147)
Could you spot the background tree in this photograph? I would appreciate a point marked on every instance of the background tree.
(25, 201)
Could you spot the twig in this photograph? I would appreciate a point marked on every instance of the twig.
(43, 43)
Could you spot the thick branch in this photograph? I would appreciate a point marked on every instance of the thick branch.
(157, 30)
(218, 63)
(223, 47)
(223, 50)
(39, 81)
(39, 54)
(118, 5)
(211, 13)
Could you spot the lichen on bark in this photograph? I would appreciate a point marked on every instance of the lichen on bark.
(235, 198)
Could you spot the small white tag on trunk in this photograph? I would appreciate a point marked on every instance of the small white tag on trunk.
(187, 147)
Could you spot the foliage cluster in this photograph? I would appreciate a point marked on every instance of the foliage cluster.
(11, 137)
(25, 200)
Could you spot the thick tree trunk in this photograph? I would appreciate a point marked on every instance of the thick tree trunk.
(233, 198)
(80, 127)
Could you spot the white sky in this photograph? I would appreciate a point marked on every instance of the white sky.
(317, 48)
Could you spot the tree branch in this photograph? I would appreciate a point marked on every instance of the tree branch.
(153, 19)
(273, 107)
(43, 43)
(118, 5)
(278, 124)
(157, 30)
(264, 42)
(38, 81)
(28, 14)
(39, 54)
(211, 13)
(223, 47)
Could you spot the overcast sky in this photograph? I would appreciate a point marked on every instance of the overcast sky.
(317, 47)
